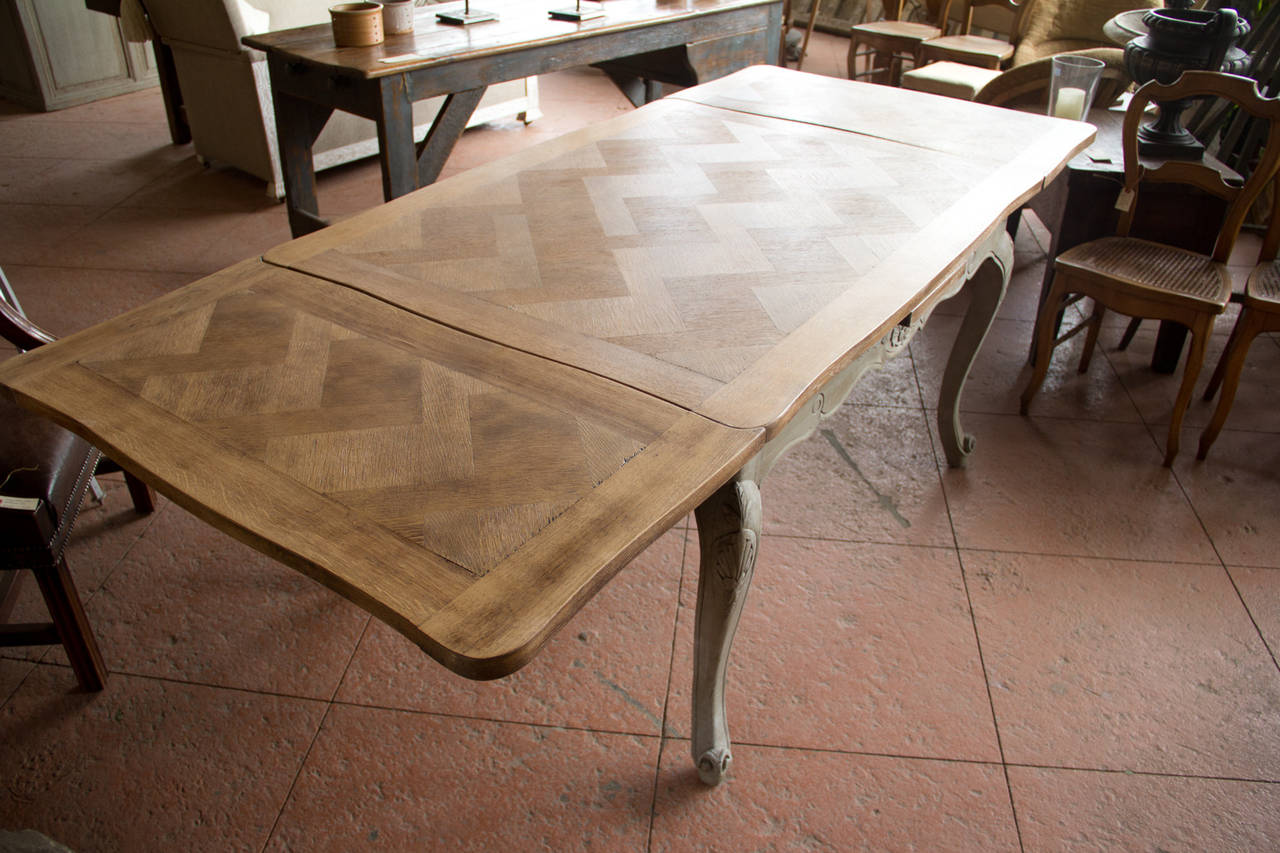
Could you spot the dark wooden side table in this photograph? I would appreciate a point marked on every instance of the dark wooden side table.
(1079, 205)
(310, 77)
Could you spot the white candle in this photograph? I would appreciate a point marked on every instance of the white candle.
(1070, 103)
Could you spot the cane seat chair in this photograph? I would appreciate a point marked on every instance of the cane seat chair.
(1259, 313)
(45, 473)
(1141, 278)
(891, 40)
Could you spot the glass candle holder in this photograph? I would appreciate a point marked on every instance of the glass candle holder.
(1072, 85)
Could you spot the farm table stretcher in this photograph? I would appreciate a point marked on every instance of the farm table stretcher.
(467, 409)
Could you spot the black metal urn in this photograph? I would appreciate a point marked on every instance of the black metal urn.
(1180, 40)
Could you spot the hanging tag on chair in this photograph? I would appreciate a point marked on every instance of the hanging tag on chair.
(1125, 200)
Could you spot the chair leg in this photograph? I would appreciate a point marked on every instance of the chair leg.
(895, 69)
(1230, 366)
(1195, 357)
(814, 8)
(881, 68)
(10, 581)
(1215, 381)
(1044, 341)
(1091, 335)
(140, 492)
(60, 597)
(853, 59)
(1129, 332)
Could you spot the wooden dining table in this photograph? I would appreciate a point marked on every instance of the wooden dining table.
(469, 408)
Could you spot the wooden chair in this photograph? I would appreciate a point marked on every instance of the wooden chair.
(1142, 278)
(1259, 312)
(892, 39)
(979, 51)
(45, 472)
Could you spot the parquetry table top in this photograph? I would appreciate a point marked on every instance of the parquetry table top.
(467, 409)
(403, 463)
(703, 250)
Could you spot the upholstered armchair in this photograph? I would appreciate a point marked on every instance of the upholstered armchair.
(1062, 26)
(1047, 27)
(227, 93)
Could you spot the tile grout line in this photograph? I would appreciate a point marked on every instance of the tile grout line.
(209, 685)
(173, 168)
(1154, 774)
(986, 682)
(198, 273)
(902, 756)
(34, 665)
(1059, 554)
(973, 618)
(306, 755)
(1152, 427)
(1196, 512)
(666, 699)
(1226, 570)
(818, 750)
(150, 522)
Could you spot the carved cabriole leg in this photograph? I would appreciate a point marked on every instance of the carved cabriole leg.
(729, 521)
(987, 284)
(729, 533)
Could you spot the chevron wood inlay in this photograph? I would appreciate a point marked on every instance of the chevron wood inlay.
(699, 238)
(406, 430)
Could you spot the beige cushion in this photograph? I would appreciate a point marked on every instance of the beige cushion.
(976, 50)
(953, 79)
(287, 14)
(252, 19)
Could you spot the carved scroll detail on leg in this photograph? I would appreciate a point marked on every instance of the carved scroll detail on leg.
(728, 535)
(987, 286)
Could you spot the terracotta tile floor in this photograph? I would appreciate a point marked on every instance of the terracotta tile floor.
(1063, 646)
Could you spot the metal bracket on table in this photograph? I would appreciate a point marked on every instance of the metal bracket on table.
(577, 13)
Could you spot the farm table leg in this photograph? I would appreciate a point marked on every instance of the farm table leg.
(987, 284)
(728, 533)
(396, 150)
(298, 123)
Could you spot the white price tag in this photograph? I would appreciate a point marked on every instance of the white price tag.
(28, 504)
